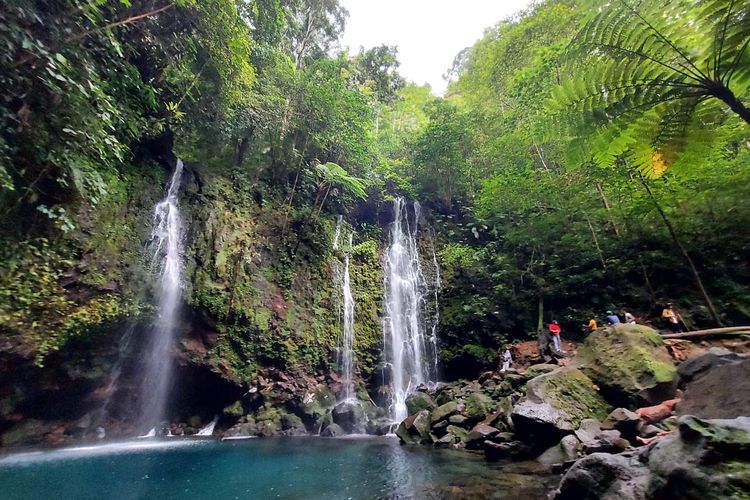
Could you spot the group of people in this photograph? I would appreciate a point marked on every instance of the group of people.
(673, 319)
(613, 319)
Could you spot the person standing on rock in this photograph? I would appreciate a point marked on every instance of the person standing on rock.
(507, 360)
(674, 320)
(554, 329)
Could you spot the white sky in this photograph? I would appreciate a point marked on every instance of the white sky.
(428, 33)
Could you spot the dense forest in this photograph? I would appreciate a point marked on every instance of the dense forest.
(584, 158)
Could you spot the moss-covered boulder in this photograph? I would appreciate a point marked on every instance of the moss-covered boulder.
(444, 411)
(415, 429)
(479, 406)
(419, 401)
(555, 404)
(630, 364)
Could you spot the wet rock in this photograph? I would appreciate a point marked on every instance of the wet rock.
(609, 441)
(478, 406)
(380, 426)
(457, 419)
(415, 429)
(695, 367)
(555, 405)
(625, 421)
(564, 451)
(419, 401)
(514, 450)
(588, 430)
(602, 476)
(704, 459)
(292, 425)
(721, 391)
(630, 364)
(444, 411)
(332, 430)
(240, 430)
(350, 416)
(479, 433)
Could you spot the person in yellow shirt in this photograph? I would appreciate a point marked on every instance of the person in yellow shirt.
(592, 325)
(673, 318)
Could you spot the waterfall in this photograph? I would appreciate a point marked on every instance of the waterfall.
(347, 333)
(166, 244)
(337, 234)
(208, 430)
(409, 330)
(347, 337)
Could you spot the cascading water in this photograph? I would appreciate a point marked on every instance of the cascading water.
(208, 430)
(347, 337)
(166, 242)
(409, 337)
(347, 333)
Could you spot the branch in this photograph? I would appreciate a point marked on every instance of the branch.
(130, 20)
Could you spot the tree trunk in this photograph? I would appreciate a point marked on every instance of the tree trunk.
(243, 147)
(605, 202)
(540, 315)
(720, 91)
(685, 254)
(596, 242)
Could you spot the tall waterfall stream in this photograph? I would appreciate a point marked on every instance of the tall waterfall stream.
(167, 247)
(409, 330)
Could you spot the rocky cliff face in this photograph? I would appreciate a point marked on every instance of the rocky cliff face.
(259, 293)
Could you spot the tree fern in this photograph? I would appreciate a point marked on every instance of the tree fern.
(646, 78)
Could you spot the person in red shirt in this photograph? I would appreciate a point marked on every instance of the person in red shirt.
(555, 330)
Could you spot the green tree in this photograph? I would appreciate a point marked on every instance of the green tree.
(647, 78)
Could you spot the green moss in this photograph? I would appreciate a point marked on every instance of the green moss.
(574, 394)
(627, 357)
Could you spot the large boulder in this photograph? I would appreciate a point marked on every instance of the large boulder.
(722, 391)
(602, 476)
(628, 423)
(698, 366)
(704, 459)
(478, 406)
(701, 459)
(350, 415)
(419, 401)
(480, 433)
(630, 364)
(555, 404)
(444, 411)
(415, 429)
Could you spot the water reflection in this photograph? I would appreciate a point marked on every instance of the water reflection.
(288, 468)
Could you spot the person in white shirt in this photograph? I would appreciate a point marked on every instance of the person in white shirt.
(507, 360)
(629, 318)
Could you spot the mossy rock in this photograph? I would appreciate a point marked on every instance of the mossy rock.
(444, 411)
(419, 401)
(322, 402)
(630, 364)
(555, 404)
(478, 406)
(234, 410)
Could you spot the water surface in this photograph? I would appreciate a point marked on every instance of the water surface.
(289, 468)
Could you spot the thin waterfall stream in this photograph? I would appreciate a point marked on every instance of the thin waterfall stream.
(409, 330)
(167, 247)
(347, 333)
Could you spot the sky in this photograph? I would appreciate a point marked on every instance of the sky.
(428, 33)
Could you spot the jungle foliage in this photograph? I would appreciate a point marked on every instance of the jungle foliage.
(587, 156)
